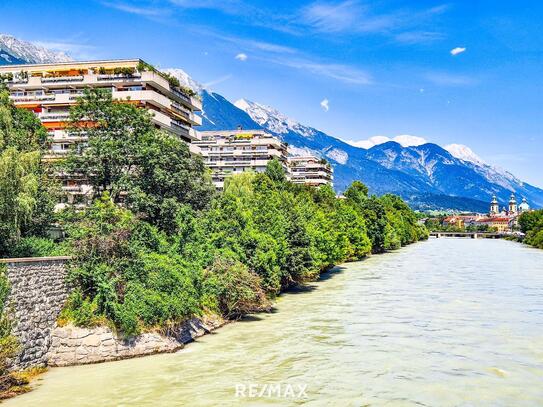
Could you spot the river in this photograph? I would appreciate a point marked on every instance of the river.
(448, 322)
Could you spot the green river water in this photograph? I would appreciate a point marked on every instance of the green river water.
(448, 322)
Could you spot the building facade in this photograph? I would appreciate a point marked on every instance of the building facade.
(49, 90)
(235, 151)
(310, 170)
(504, 220)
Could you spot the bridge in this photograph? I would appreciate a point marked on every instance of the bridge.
(469, 235)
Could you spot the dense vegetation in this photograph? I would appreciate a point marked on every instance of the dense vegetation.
(531, 223)
(158, 245)
(27, 194)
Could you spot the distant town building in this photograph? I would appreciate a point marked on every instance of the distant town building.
(232, 152)
(494, 206)
(524, 206)
(504, 220)
(310, 170)
(513, 209)
(497, 223)
(454, 221)
(49, 90)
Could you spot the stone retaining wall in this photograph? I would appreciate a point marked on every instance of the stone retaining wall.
(38, 291)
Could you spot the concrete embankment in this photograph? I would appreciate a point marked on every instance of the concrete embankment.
(77, 346)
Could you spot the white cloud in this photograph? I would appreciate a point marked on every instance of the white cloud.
(347, 15)
(343, 73)
(448, 79)
(418, 37)
(294, 58)
(217, 81)
(357, 16)
(325, 104)
(457, 50)
(405, 140)
(140, 11)
(241, 57)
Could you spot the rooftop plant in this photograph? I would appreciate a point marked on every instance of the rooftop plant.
(172, 80)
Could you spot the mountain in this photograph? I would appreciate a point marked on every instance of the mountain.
(349, 162)
(426, 175)
(8, 59)
(467, 176)
(14, 51)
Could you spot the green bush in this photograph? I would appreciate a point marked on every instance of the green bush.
(531, 223)
(33, 246)
(235, 289)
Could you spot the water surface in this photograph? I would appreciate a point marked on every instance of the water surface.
(448, 322)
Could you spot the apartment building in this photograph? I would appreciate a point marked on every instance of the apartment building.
(310, 170)
(235, 151)
(49, 90)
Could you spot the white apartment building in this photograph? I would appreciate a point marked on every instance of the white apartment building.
(310, 170)
(49, 90)
(235, 151)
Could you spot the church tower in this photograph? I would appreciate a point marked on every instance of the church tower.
(494, 206)
(513, 205)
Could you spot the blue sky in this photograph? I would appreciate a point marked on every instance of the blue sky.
(385, 67)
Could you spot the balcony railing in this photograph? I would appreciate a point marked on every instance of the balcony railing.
(181, 95)
(181, 110)
(40, 98)
(180, 125)
(63, 79)
(54, 117)
(119, 77)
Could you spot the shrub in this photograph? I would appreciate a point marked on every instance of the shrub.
(236, 289)
(34, 246)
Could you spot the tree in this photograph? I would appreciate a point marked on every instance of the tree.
(276, 172)
(531, 223)
(357, 193)
(165, 176)
(113, 131)
(18, 193)
(24, 190)
(153, 173)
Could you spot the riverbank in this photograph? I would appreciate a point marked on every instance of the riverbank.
(70, 345)
(78, 346)
(445, 322)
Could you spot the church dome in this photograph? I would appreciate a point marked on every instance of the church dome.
(524, 206)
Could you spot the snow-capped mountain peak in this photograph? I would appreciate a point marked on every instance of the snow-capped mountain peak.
(272, 119)
(185, 79)
(464, 153)
(30, 52)
(243, 104)
(405, 140)
(492, 173)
